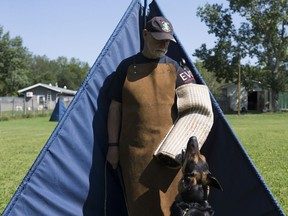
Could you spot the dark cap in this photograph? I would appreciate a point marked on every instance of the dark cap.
(160, 28)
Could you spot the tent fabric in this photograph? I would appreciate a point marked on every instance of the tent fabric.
(70, 176)
(58, 111)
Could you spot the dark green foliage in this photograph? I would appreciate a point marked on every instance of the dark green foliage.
(19, 68)
(14, 64)
(261, 37)
(210, 79)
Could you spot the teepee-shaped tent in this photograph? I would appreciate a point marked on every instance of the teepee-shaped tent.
(69, 175)
(58, 111)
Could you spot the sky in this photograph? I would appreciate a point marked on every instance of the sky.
(81, 28)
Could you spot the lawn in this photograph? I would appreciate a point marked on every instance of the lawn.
(20, 142)
(264, 136)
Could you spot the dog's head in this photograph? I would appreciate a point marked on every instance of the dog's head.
(194, 185)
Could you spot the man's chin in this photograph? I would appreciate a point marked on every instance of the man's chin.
(160, 54)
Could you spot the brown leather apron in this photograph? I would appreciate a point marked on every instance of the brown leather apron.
(148, 101)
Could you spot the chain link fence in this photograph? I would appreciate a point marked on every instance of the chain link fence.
(17, 107)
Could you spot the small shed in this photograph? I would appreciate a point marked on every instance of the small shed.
(44, 96)
(253, 100)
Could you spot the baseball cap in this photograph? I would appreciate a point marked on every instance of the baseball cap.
(160, 28)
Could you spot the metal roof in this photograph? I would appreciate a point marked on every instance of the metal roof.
(53, 88)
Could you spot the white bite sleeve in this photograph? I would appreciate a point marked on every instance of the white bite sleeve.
(195, 118)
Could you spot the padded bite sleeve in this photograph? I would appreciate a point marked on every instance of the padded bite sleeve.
(195, 118)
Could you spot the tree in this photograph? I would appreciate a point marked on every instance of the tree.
(43, 70)
(63, 72)
(79, 70)
(14, 64)
(19, 68)
(210, 79)
(262, 36)
(71, 73)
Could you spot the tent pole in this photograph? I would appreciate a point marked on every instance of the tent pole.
(144, 13)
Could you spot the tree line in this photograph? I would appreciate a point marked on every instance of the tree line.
(19, 68)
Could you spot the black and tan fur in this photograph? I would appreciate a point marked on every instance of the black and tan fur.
(194, 185)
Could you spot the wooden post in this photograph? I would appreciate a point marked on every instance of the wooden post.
(239, 88)
(13, 107)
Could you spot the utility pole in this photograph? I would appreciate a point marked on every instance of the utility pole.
(239, 87)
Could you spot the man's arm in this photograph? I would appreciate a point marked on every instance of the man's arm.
(114, 124)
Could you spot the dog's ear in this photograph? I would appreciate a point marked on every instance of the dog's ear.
(213, 182)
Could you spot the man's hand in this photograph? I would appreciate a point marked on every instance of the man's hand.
(113, 156)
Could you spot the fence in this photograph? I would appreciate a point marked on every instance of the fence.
(18, 106)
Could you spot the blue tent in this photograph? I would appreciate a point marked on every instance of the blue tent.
(69, 175)
(58, 111)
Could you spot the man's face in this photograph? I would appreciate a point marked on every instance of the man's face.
(155, 48)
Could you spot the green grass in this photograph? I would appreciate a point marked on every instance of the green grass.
(20, 142)
(264, 136)
(7, 115)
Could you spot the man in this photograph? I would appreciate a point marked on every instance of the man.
(142, 111)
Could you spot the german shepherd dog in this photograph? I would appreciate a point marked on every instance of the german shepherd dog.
(193, 188)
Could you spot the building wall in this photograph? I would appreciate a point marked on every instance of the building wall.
(254, 100)
(283, 101)
(232, 93)
(44, 98)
